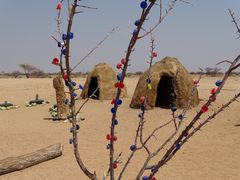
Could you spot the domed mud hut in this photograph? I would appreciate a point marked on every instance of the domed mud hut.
(171, 84)
(104, 78)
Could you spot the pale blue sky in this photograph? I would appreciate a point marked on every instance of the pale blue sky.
(198, 35)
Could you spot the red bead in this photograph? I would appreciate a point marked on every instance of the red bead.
(55, 61)
(65, 76)
(142, 99)
(59, 6)
(154, 178)
(204, 108)
(123, 61)
(213, 98)
(114, 138)
(114, 165)
(113, 101)
(121, 85)
(119, 66)
(108, 137)
(195, 82)
(154, 54)
(213, 91)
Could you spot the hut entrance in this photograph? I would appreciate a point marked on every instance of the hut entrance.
(165, 92)
(92, 87)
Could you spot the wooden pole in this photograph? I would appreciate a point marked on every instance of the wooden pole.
(60, 96)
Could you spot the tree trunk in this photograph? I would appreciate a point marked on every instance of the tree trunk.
(60, 96)
(12, 164)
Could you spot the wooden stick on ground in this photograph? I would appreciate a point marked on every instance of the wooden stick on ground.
(12, 164)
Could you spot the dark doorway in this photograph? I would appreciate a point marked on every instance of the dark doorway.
(165, 92)
(92, 87)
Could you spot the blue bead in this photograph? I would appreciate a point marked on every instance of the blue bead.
(144, 178)
(118, 102)
(119, 77)
(80, 87)
(115, 122)
(148, 81)
(173, 108)
(113, 110)
(153, 168)
(74, 94)
(218, 83)
(178, 146)
(71, 130)
(70, 35)
(70, 141)
(59, 44)
(180, 117)
(108, 146)
(73, 83)
(64, 37)
(133, 147)
(137, 22)
(135, 32)
(142, 108)
(67, 83)
(77, 127)
(143, 5)
(66, 101)
(64, 51)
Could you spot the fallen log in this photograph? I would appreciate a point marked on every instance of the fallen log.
(12, 164)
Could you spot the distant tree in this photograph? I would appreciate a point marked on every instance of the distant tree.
(216, 71)
(39, 73)
(28, 69)
(208, 70)
(139, 73)
(212, 71)
(15, 74)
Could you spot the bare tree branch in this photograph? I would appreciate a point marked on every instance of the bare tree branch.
(71, 90)
(96, 47)
(235, 22)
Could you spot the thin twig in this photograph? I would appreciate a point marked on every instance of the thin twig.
(234, 21)
(96, 47)
(92, 95)
(88, 7)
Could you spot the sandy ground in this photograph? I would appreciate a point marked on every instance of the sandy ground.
(211, 154)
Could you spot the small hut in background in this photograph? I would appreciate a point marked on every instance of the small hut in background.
(104, 78)
(171, 83)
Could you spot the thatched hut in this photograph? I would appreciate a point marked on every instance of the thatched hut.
(103, 77)
(171, 84)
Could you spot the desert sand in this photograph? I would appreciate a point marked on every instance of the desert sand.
(211, 154)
